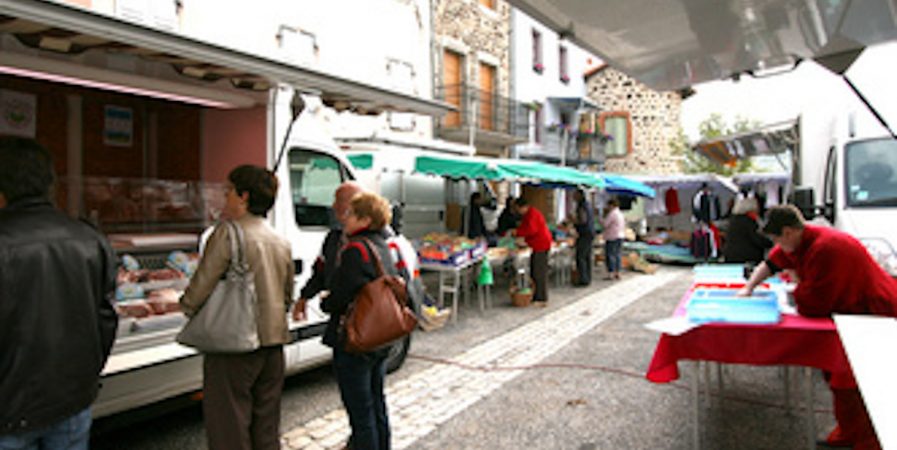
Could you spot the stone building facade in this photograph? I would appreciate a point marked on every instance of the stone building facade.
(477, 31)
(653, 121)
(471, 47)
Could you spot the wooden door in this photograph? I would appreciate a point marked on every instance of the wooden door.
(451, 78)
(487, 97)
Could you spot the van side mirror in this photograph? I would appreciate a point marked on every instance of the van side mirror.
(805, 201)
(297, 267)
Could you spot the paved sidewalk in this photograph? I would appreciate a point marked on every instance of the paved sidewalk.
(422, 402)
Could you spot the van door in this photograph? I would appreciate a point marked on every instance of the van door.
(830, 192)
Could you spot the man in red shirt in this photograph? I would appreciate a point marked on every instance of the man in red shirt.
(835, 274)
(537, 235)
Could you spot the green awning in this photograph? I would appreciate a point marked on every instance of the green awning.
(362, 161)
(460, 168)
(476, 168)
(548, 173)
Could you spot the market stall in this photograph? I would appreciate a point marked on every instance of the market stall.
(143, 125)
(711, 324)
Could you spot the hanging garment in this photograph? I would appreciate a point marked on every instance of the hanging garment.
(705, 207)
(671, 198)
(655, 206)
(700, 244)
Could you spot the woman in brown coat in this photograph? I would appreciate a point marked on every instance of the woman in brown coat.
(241, 402)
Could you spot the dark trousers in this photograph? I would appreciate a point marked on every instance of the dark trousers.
(360, 377)
(538, 269)
(241, 399)
(584, 258)
(612, 257)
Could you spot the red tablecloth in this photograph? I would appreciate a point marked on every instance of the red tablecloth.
(796, 340)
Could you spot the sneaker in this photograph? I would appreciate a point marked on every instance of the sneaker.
(540, 304)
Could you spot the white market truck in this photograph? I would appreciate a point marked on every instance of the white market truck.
(846, 173)
(144, 126)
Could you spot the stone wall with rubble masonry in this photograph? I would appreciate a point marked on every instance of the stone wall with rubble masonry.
(655, 122)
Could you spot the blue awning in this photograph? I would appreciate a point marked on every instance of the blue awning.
(619, 184)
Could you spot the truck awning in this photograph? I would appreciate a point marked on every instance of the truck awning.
(63, 29)
(675, 44)
(771, 139)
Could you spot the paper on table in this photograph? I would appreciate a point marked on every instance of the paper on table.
(674, 326)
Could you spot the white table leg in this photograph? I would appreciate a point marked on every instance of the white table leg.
(719, 380)
(811, 418)
(456, 278)
(441, 289)
(707, 398)
(695, 403)
(786, 374)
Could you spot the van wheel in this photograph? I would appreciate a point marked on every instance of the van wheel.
(397, 354)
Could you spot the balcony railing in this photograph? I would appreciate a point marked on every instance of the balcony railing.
(494, 113)
(579, 149)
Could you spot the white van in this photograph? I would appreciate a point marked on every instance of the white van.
(847, 164)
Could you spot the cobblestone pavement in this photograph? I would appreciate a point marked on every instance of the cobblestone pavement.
(420, 403)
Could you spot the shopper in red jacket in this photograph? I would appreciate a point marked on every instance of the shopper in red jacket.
(835, 274)
(538, 237)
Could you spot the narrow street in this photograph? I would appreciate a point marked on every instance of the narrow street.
(569, 376)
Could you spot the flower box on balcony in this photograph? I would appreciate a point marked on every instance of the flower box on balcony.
(538, 67)
(565, 79)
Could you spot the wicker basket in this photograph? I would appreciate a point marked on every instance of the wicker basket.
(522, 299)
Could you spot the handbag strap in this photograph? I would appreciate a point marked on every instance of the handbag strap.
(238, 262)
(377, 260)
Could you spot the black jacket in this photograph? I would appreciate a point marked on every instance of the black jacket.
(585, 221)
(744, 243)
(356, 268)
(507, 220)
(57, 322)
(325, 265)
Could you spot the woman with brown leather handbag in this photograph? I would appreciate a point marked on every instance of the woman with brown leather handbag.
(242, 385)
(361, 373)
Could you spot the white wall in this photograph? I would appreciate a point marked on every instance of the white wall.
(354, 39)
(532, 86)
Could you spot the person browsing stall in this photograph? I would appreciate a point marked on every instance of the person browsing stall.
(614, 224)
(325, 264)
(835, 275)
(744, 242)
(360, 376)
(241, 391)
(534, 230)
(508, 219)
(584, 222)
(57, 322)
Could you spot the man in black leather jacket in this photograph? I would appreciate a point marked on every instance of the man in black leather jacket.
(57, 323)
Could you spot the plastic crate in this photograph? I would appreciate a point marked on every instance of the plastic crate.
(455, 259)
(722, 305)
(479, 250)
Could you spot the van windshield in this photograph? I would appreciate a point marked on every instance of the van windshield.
(871, 173)
(314, 178)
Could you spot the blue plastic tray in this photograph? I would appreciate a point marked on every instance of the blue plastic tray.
(721, 272)
(717, 272)
(722, 305)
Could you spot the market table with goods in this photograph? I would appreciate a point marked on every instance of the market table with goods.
(712, 324)
(462, 263)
